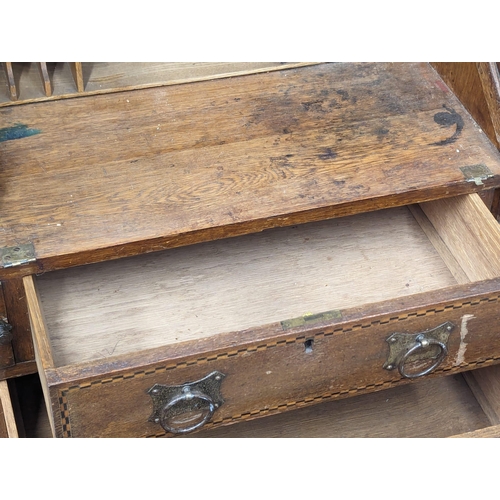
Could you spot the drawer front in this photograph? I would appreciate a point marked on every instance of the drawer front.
(286, 366)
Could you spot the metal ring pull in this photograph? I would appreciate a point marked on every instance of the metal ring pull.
(422, 343)
(419, 346)
(184, 408)
(180, 412)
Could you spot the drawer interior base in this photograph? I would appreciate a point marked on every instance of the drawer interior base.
(188, 293)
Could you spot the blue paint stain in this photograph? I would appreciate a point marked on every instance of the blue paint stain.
(18, 131)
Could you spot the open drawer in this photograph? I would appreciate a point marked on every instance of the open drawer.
(226, 331)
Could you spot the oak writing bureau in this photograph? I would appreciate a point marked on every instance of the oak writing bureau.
(203, 254)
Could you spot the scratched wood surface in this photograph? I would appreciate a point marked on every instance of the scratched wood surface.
(106, 176)
(188, 293)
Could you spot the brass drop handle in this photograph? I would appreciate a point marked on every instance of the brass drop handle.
(406, 347)
(184, 408)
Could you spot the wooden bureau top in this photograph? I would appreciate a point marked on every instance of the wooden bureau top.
(105, 176)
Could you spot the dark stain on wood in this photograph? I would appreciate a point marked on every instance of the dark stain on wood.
(381, 132)
(327, 154)
(18, 131)
(449, 118)
(320, 105)
(343, 94)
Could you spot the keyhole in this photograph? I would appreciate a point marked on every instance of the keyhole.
(308, 345)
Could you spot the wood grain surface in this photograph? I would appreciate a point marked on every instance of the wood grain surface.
(485, 385)
(257, 360)
(45, 78)
(470, 232)
(3, 425)
(77, 72)
(485, 433)
(108, 176)
(41, 343)
(17, 312)
(490, 79)
(477, 85)
(7, 412)
(10, 81)
(18, 370)
(460, 222)
(6, 352)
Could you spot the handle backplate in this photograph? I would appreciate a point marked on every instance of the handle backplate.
(421, 346)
